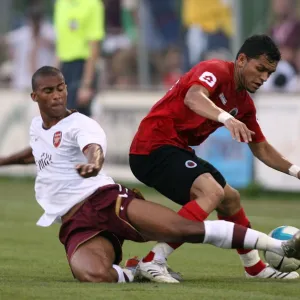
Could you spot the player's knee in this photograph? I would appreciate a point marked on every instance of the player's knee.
(231, 203)
(205, 185)
(100, 275)
(216, 195)
(236, 196)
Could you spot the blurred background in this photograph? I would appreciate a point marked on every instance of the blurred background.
(138, 49)
(141, 48)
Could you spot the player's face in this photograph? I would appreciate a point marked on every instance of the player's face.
(254, 72)
(51, 95)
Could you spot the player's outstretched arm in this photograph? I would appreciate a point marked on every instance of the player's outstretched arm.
(272, 158)
(95, 157)
(197, 99)
(23, 157)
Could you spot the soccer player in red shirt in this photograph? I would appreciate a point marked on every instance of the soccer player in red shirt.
(212, 94)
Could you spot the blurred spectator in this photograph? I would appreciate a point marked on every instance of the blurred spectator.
(208, 25)
(297, 61)
(285, 28)
(162, 25)
(30, 47)
(130, 18)
(283, 80)
(172, 67)
(80, 28)
(117, 46)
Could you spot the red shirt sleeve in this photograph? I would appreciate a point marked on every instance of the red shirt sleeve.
(251, 122)
(209, 74)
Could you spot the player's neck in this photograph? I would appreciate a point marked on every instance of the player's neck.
(237, 79)
(49, 122)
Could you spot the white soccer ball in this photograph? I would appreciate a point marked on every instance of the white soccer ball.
(278, 262)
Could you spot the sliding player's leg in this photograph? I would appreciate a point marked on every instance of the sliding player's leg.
(156, 222)
(93, 261)
(93, 232)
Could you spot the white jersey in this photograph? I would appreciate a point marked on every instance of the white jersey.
(56, 151)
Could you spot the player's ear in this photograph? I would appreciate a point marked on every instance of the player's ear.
(33, 96)
(67, 90)
(242, 59)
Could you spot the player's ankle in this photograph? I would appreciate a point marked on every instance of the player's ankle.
(162, 251)
(154, 256)
(249, 258)
(149, 257)
(255, 269)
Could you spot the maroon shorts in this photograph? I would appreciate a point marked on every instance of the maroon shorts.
(103, 213)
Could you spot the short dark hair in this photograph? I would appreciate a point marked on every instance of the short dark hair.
(43, 71)
(260, 44)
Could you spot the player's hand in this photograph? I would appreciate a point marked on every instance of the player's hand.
(87, 170)
(239, 131)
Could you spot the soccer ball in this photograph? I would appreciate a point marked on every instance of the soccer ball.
(278, 262)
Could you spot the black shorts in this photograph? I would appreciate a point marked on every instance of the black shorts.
(172, 171)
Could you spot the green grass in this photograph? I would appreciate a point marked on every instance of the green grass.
(33, 264)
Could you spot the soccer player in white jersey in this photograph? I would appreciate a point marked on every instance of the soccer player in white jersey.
(97, 214)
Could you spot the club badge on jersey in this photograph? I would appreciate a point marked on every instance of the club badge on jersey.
(209, 78)
(57, 138)
(190, 164)
(234, 112)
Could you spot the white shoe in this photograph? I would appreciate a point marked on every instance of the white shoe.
(130, 274)
(175, 275)
(155, 271)
(269, 272)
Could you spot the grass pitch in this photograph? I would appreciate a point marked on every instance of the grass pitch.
(33, 263)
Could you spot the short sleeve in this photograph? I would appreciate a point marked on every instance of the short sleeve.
(251, 122)
(210, 74)
(95, 23)
(33, 129)
(88, 131)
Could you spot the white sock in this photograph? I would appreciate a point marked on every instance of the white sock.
(250, 259)
(267, 243)
(220, 234)
(261, 241)
(162, 251)
(121, 276)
